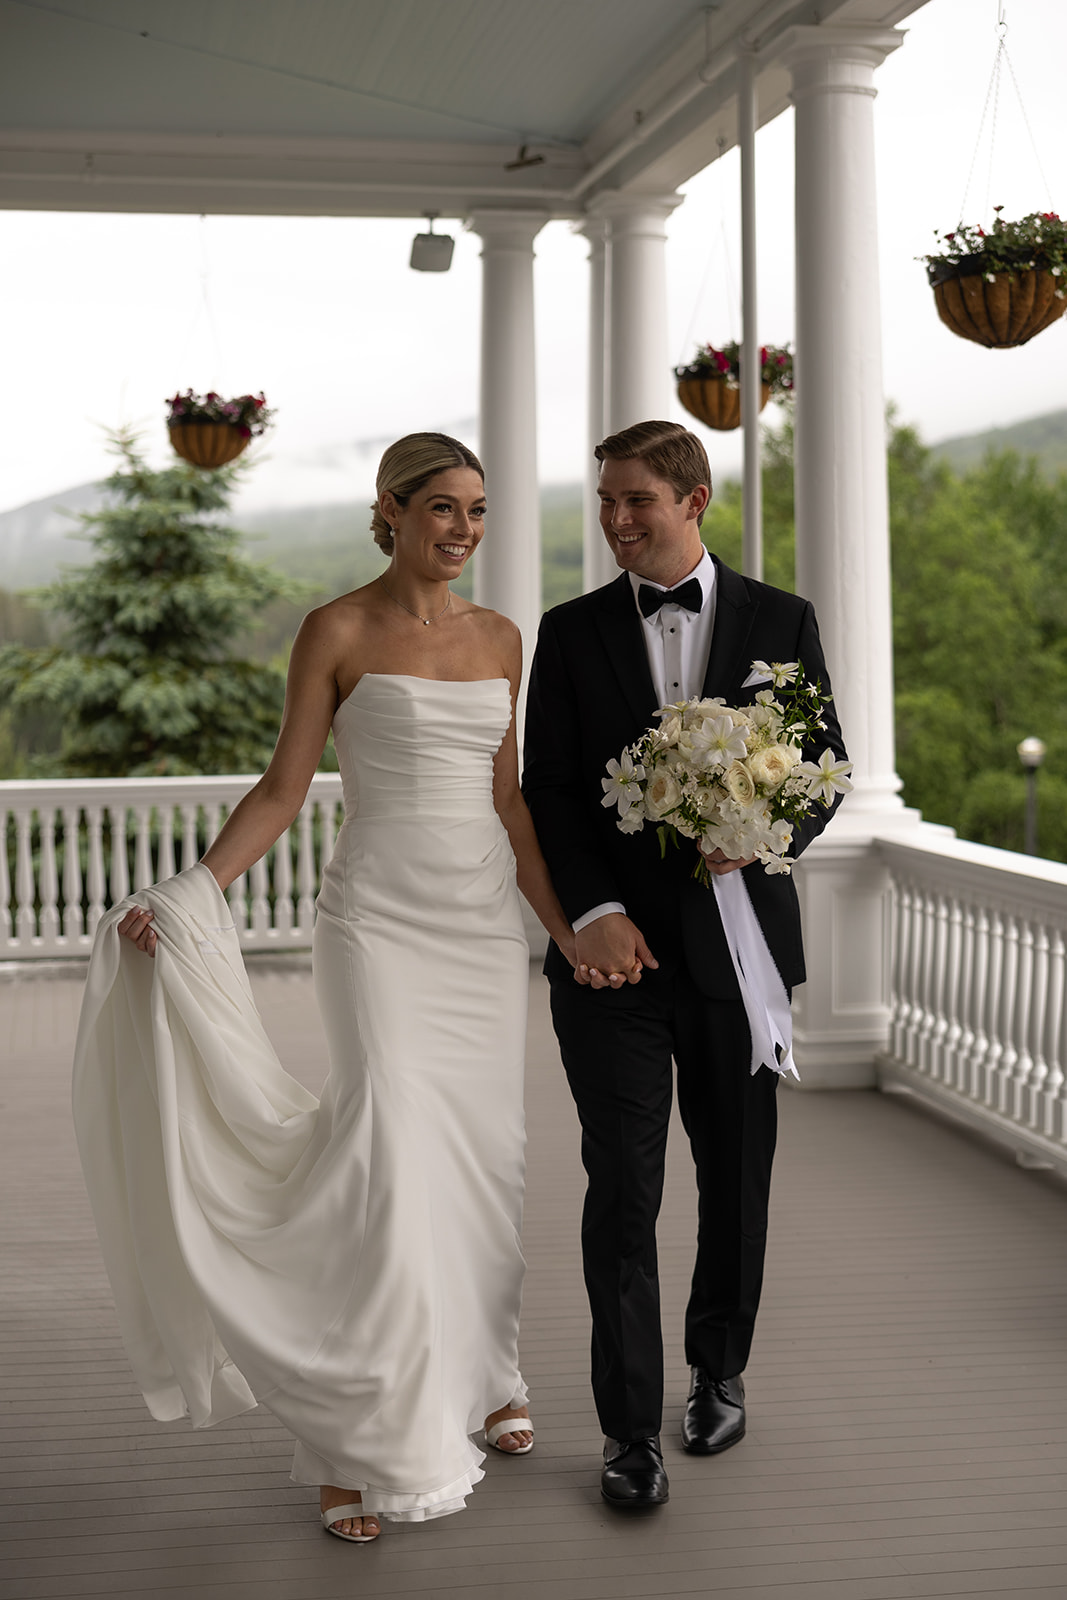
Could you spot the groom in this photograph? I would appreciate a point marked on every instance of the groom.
(655, 976)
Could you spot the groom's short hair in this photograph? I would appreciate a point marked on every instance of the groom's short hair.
(670, 451)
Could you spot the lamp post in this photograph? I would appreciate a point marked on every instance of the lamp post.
(1031, 753)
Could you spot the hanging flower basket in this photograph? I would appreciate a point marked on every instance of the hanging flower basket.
(710, 386)
(1000, 288)
(208, 431)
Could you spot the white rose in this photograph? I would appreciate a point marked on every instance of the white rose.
(662, 794)
(669, 730)
(772, 765)
(739, 784)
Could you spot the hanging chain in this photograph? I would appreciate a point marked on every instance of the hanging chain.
(1001, 59)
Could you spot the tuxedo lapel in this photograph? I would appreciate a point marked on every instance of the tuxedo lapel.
(619, 627)
(735, 612)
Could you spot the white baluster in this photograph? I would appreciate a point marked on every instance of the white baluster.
(938, 987)
(120, 866)
(991, 1010)
(1009, 978)
(49, 876)
(237, 895)
(212, 823)
(901, 909)
(981, 983)
(1023, 1061)
(328, 814)
(283, 887)
(1034, 1022)
(260, 902)
(143, 876)
(5, 881)
(950, 993)
(73, 916)
(190, 846)
(1054, 1111)
(165, 866)
(965, 1000)
(305, 869)
(95, 879)
(25, 887)
(927, 980)
(913, 1025)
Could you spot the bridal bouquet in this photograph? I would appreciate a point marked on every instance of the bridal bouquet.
(732, 780)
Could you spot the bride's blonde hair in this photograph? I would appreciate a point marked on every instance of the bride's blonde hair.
(409, 464)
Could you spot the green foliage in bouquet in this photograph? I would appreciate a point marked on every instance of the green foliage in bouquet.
(146, 681)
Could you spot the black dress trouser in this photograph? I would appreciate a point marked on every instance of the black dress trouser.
(617, 1048)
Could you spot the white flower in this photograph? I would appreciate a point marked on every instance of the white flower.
(662, 794)
(720, 739)
(774, 864)
(622, 785)
(632, 821)
(772, 765)
(670, 729)
(779, 672)
(826, 778)
(739, 784)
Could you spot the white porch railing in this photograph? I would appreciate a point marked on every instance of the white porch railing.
(979, 962)
(71, 849)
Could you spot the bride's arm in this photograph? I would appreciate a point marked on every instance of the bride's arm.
(265, 812)
(531, 870)
(269, 808)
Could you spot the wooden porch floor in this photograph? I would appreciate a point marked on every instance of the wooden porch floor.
(907, 1418)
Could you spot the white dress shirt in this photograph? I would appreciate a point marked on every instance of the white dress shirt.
(677, 643)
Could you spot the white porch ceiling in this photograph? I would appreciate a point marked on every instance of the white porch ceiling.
(377, 107)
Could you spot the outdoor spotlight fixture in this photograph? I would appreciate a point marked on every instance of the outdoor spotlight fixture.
(432, 252)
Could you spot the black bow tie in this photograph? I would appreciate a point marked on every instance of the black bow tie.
(688, 594)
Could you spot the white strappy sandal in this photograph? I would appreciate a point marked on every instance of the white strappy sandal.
(341, 1514)
(509, 1425)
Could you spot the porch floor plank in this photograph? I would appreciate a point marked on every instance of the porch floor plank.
(907, 1391)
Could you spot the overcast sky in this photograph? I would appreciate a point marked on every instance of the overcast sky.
(106, 315)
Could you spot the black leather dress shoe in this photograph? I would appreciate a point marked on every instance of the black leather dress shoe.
(633, 1473)
(714, 1415)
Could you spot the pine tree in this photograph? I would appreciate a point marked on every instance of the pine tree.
(145, 681)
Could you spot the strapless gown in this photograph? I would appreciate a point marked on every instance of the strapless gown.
(355, 1265)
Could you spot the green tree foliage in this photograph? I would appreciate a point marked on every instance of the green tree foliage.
(979, 564)
(145, 680)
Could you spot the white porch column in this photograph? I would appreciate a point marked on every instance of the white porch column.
(598, 565)
(639, 363)
(842, 1013)
(842, 512)
(507, 570)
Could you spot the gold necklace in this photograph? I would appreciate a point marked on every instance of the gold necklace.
(424, 620)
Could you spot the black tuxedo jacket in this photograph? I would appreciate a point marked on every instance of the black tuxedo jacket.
(590, 695)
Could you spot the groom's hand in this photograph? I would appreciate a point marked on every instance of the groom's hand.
(719, 864)
(611, 951)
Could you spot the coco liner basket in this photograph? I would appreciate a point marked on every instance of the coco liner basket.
(715, 402)
(999, 310)
(207, 444)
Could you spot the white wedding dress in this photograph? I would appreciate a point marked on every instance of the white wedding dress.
(354, 1265)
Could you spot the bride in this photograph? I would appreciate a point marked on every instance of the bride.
(355, 1265)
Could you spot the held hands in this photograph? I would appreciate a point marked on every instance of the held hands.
(136, 926)
(719, 864)
(610, 952)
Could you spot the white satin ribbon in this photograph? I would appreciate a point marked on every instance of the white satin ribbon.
(770, 1020)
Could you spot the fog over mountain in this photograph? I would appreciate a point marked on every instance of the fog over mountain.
(39, 539)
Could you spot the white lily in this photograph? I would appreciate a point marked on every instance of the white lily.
(722, 739)
(779, 672)
(622, 785)
(827, 777)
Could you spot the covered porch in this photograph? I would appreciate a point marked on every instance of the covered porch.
(907, 1433)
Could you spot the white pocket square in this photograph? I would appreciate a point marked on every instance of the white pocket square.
(755, 677)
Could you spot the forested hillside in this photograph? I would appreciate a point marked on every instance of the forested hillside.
(979, 599)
